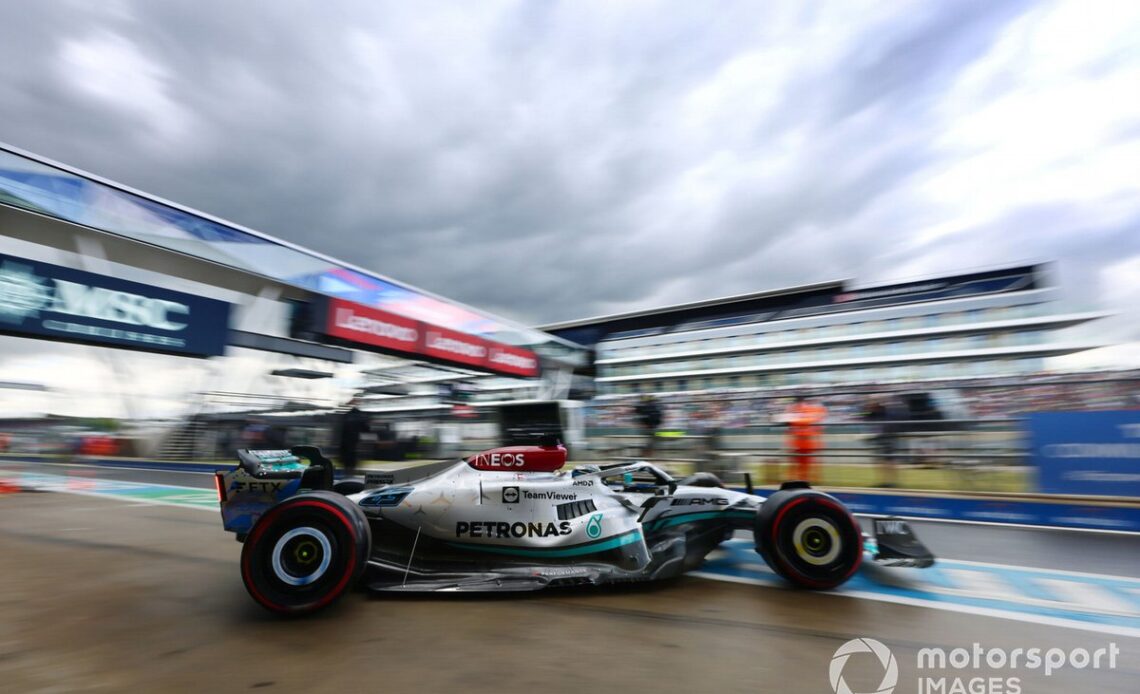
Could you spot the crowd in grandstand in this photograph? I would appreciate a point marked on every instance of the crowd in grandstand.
(980, 398)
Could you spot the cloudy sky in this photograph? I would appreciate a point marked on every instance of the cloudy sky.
(550, 161)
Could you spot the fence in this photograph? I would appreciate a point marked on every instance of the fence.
(981, 446)
(980, 455)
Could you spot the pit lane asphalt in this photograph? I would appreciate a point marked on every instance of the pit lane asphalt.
(103, 595)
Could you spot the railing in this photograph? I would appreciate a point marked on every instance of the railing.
(975, 455)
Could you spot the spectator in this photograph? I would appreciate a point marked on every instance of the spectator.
(804, 435)
(649, 418)
(887, 415)
(353, 423)
(253, 435)
(275, 437)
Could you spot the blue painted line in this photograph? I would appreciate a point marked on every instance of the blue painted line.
(937, 586)
(117, 462)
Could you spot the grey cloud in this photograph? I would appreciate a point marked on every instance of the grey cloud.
(913, 55)
(524, 159)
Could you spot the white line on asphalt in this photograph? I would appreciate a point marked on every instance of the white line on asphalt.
(135, 503)
(1090, 595)
(1113, 629)
(982, 585)
(1062, 572)
(132, 468)
(109, 483)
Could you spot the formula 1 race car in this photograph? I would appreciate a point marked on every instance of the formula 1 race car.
(509, 520)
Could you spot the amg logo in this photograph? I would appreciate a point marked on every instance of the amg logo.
(700, 501)
(492, 529)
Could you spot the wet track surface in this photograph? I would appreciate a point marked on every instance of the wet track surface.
(123, 594)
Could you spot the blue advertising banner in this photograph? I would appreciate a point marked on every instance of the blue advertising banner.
(1086, 452)
(1066, 514)
(58, 303)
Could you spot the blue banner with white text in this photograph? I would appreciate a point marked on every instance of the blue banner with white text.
(60, 303)
(1096, 453)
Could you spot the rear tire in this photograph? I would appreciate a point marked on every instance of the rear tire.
(305, 553)
(808, 538)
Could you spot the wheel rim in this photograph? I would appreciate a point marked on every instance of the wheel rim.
(816, 541)
(301, 556)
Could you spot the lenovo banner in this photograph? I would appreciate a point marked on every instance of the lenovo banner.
(450, 345)
(369, 327)
(59, 303)
(512, 360)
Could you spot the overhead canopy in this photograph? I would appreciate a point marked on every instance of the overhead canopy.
(54, 190)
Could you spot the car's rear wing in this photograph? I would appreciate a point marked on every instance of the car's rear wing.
(262, 478)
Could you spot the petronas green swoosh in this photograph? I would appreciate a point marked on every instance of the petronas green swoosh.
(690, 517)
(576, 550)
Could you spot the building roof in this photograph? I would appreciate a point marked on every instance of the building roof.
(809, 299)
(737, 301)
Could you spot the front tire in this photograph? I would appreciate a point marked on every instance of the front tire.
(808, 538)
(305, 553)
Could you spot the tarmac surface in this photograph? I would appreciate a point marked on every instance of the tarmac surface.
(135, 593)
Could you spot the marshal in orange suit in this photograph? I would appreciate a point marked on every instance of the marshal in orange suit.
(805, 435)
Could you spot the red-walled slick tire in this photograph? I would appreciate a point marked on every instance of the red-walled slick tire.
(305, 553)
(809, 538)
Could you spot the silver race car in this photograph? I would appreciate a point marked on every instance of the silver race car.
(511, 519)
